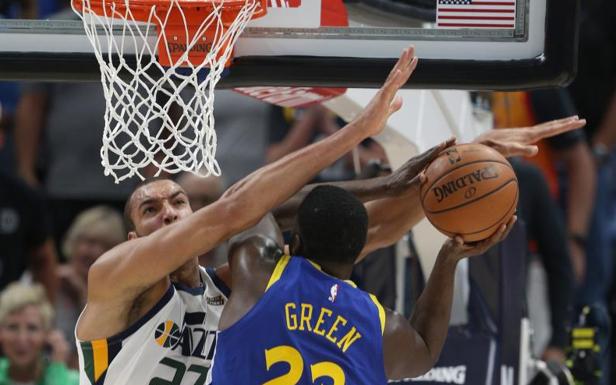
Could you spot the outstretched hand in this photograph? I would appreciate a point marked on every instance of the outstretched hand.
(456, 249)
(410, 176)
(385, 102)
(521, 141)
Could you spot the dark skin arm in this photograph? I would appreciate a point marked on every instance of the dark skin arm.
(251, 263)
(412, 347)
(399, 185)
(404, 181)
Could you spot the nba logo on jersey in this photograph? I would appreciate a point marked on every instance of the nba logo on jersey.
(284, 3)
(333, 293)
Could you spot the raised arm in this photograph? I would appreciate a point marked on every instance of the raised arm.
(143, 261)
(412, 347)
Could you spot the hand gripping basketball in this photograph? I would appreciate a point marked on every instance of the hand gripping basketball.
(470, 191)
(457, 249)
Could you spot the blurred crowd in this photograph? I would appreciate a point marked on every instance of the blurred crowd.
(59, 213)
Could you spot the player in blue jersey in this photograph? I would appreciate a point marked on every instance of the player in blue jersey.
(298, 320)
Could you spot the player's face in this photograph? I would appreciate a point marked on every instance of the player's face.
(158, 204)
(23, 336)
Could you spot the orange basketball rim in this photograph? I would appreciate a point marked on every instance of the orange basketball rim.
(180, 24)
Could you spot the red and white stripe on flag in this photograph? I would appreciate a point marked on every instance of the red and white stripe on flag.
(284, 3)
(498, 14)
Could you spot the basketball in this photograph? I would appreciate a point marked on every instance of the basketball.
(470, 190)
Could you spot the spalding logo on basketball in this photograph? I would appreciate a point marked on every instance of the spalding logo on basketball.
(470, 190)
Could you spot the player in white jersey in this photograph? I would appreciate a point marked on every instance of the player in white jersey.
(172, 343)
(140, 328)
(137, 327)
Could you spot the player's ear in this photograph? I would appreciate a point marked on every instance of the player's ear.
(296, 246)
(132, 235)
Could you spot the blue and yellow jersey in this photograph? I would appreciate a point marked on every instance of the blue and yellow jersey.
(308, 328)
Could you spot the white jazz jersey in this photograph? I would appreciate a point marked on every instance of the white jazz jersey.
(173, 344)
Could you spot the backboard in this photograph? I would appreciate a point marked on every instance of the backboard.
(462, 44)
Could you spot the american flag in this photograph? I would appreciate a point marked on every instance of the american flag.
(476, 14)
(284, 3)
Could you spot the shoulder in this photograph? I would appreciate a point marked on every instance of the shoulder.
(259, 245)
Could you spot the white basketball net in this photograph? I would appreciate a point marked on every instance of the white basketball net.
(158, 116)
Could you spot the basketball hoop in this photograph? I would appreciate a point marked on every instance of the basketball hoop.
(160, 61)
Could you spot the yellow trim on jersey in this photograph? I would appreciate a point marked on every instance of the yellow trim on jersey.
(381, 310)
(101, 357)
(318, 267)
(278, 270)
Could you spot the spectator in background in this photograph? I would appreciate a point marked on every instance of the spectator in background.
(545, 227)
(70, 116)
(201, 192)
(556, 246)
(594, 94)
(577, 189)
(25, 239)
(93, 232)
(58, 131)
(26, 335)
(9, 91)
(581, 188)
(567, 154)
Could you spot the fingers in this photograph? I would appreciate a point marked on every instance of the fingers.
(528, 150)
(401, 72)
(509, 227)
(519, 149)
(508, 149)
(423, 160)
(417, 181)
(395, 105)
(483, 246)
(555, 127)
